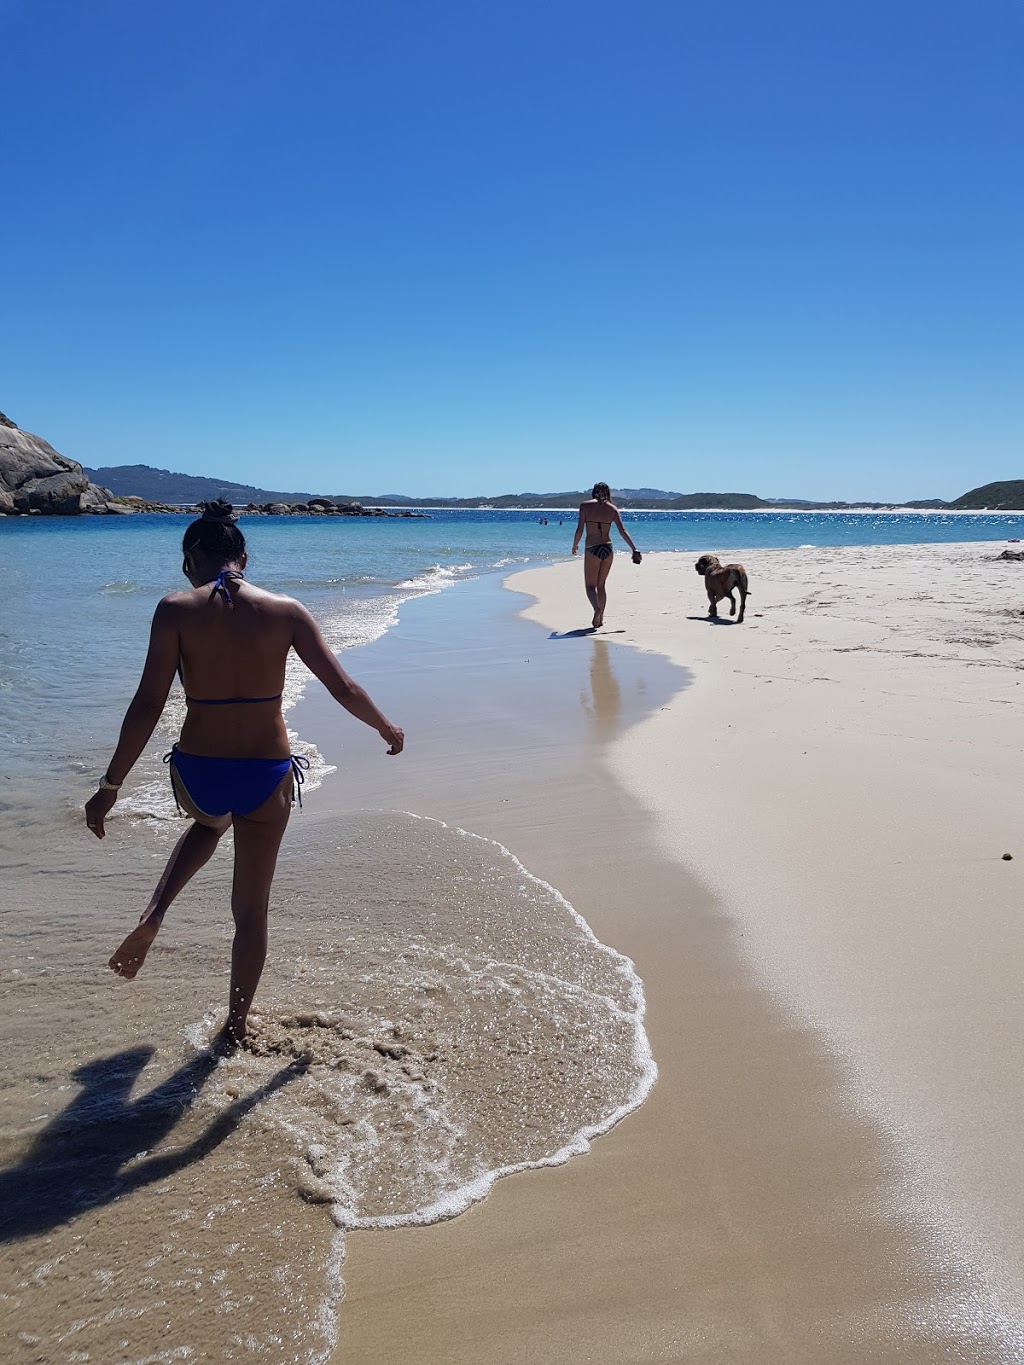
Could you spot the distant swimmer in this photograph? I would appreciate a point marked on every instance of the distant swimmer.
(233, 767)
(598, 515)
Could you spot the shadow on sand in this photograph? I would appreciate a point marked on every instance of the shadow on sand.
(715, 620)
(582, 633)
(81, 1158)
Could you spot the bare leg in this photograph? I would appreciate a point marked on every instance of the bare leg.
(193, 850)
(604, 568)
(591, 569)
(258, 838)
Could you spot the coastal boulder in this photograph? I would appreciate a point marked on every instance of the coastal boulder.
(96, 500)
(58, 494)
(35, 478)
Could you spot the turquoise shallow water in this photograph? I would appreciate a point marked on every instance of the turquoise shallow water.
(79, 594)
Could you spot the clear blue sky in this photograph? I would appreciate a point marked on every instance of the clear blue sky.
(476, 246)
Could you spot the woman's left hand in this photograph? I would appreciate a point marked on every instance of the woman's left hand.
(97, 810)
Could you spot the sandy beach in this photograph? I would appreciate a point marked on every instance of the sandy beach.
(794, 828)
(802, 852)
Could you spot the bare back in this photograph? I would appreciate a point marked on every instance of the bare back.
(236, 650)
(598, 518)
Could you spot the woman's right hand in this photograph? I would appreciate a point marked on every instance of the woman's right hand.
(98, 808)
(393, 736)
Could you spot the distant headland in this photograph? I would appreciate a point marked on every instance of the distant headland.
(163, 485)
(36, 480)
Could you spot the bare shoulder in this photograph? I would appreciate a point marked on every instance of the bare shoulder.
(283, 610)
(172, 605)
(276, 602)
(594, 510)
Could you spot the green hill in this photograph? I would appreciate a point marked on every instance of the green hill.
(1004, 496)
(161, 485)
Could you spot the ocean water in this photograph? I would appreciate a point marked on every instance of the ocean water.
(433, 1014)
(79, 595)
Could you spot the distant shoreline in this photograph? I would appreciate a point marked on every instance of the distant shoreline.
(379, 511)
(166, 486)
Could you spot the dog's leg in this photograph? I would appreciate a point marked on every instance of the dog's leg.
(713, 608)
(732, 605)
(743, 596)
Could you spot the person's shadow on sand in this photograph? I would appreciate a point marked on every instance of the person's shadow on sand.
(80, 1159)
(582, 633)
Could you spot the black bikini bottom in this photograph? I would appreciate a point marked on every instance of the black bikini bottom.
(600, 551)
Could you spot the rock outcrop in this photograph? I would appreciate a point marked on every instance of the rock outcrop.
(35, 478)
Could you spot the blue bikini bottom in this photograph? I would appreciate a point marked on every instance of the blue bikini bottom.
(232, 786)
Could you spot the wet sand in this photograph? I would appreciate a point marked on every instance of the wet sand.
(792, 892)
(155, 1202)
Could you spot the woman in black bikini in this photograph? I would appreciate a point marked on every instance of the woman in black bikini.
(598, 515)
(233, 767)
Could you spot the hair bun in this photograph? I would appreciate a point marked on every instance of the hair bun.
(219, 511)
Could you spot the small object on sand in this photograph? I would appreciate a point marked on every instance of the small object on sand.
(1007, 857)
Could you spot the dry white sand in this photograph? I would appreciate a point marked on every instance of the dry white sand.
(808, 873)
(845, 775)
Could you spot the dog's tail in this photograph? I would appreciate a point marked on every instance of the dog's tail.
(741, 574)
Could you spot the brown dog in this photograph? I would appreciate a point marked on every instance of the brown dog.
(721, 580)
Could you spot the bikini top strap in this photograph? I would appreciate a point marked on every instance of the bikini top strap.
(220, 584)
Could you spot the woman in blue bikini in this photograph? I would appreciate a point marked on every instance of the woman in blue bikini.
(232, 766)
(598, 515)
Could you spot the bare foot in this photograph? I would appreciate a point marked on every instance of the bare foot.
(227, 1041)
(132, 952)
(232, 1035)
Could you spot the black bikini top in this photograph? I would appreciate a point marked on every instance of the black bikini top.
(220, 585)
(229, 701)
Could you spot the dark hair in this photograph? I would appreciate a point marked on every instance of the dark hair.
(215, 536)
(602, 492)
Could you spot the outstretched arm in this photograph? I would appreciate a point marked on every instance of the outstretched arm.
(623, 532)
(311, 647)
(143, 712)
(579, 532)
